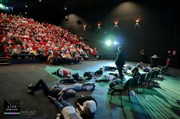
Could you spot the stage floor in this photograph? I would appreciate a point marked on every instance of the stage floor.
(154, 103)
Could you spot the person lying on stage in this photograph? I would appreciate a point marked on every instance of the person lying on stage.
(67, 111)
(87, 103)
(71, 79)
(61, 72)
(107, 77)
(58, 88)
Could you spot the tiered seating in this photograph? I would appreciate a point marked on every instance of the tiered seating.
(47, 41)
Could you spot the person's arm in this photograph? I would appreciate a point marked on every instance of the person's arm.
(60, 92)
(77, 111)
(80, 106)
(54, 86)
(58, 116)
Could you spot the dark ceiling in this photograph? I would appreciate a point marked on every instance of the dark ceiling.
(52, 10)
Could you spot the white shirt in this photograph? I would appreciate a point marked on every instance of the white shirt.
(90, 104)
(70, 113)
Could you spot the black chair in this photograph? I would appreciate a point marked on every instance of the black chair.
(121, 88)
(162, 71)
(141, 82)
(148, 78)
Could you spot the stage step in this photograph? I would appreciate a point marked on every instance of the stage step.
(3, 60)
(5, 63)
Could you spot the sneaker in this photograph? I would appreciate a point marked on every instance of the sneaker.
(54, 73)
(30, 92)
(30, 86)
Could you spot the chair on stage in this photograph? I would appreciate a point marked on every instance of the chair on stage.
(122, 88)
(162, 71)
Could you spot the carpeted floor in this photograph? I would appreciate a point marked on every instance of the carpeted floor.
(155, 103)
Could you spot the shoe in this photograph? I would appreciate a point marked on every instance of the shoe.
(30, 92)
(54, 73)
(61, 81)
(30, 86)
(96, 80)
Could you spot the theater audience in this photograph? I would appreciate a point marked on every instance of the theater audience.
(40, 37)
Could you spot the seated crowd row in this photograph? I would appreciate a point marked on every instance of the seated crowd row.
(24, 36)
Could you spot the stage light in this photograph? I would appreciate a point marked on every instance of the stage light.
(26, 6)
(115, 42)
(2, 6)
(99, 25)
(66, 18)
(137, 23)
(108, 42)
(40, 0)
(137, 20)
(84, 27)
(116, 24)
(6, 8)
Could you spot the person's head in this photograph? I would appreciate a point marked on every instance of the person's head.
(119, 48)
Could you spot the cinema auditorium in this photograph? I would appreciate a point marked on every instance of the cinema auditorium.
(89, 59)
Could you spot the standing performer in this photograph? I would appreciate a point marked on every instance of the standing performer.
(120, 61)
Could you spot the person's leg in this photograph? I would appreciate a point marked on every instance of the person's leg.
(45, 88)
(67, 80)
(58, 104)
(36, 86)
(65, 103)
(120, 72)
(43, 85)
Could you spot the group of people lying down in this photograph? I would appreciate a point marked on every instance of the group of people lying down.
(59, 92)
(85, 106)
